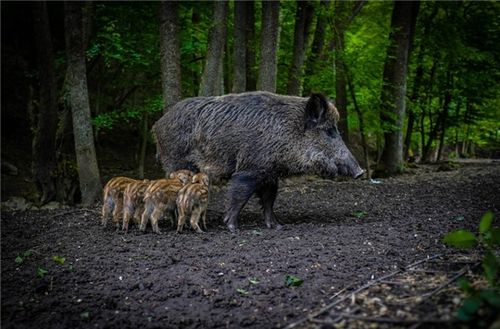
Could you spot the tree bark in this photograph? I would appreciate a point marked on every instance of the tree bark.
(317, 46)
(343, 17)
(303, 21)
(251, 80)
(364, 143)
(44, 155)
(170, 55)
(211, 80)
(239, 47)
(394, 84)
(88, 171)
(269, 46)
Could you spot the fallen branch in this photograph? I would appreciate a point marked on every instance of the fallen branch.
(390, 320)
(367, 285)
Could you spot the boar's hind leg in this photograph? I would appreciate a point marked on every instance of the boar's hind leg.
(241, 188)
(267, 194)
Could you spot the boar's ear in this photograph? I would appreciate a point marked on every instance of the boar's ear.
(316, 109)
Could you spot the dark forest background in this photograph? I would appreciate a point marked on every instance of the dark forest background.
(82, 83)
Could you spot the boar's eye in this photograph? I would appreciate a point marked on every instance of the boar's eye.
(333, 132)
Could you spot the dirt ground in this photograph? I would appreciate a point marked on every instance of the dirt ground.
(338, 236)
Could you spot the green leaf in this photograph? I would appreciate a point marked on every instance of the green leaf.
(85, 315)
(256, 232)
(460, 239)
(495, 236)
(253, 281)
(485, 223)
(291, 280)
(464, 284)
(27, 253)
(41, 272)
(491, 296)
(490, 266)
(360, 213)
(469, 308)
(59, 259)
(19, 260)
(460, 218)
(242, 291)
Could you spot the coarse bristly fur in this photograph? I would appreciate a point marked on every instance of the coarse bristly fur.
(254, 139)
(133, 202)
(113, 198)
(160, 197)
(192, 201)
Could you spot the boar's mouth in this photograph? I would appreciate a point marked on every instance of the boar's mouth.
(352, 172)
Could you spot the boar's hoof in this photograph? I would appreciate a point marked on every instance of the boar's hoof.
(232, 228)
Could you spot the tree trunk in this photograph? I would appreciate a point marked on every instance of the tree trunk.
(239, 47)
(251, 81)
(269, 46)
(340, 83)
(394, 84)
(170, 55)
(303, 21)
(361, 125)
(317, 46)
(412, 116)
(211, 80)
(44, 155)
(88, 171)
(144, 144)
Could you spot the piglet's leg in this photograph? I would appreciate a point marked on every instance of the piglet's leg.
(267, 194)
(241, 188)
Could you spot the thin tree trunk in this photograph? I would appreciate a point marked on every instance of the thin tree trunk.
(361, 125)
(340, 83)
(144, 143)
(444, 121)
(170, 56)
(317, 46)
(414, 96)
(88, 171)
(239, 47)
(394, 84)
(211, 80)
(269, 46)
(44, 156)
(251, 81)
(303, 21)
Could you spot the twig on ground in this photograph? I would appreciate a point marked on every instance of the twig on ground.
(365, 286)
(390, 320)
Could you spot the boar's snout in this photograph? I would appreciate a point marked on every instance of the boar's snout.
(358, 174)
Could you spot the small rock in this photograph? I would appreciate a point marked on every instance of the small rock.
(16, 203)
(51, 206)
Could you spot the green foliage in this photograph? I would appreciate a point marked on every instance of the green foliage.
(41, 272)
(59, 259)
(359, 214)
(481, 305)
(242, 291)
(22, 257)
(291, 280)
(460, 239)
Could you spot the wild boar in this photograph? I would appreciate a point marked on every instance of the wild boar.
(192, 201)
(113, 199)
(160, 197)
(254, 139)
(133, 202)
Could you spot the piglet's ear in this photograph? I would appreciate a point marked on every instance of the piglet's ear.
(315, 111)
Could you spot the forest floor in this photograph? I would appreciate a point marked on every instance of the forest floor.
(364, 250)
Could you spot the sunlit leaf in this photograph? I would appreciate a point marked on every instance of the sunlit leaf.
(291, 280)
(460, 239)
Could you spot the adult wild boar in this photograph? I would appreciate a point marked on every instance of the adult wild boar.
(254, 139)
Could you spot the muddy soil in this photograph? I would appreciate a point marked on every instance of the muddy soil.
(337, 234)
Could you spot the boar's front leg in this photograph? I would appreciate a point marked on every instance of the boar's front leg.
(241, 187)
(267, 194)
